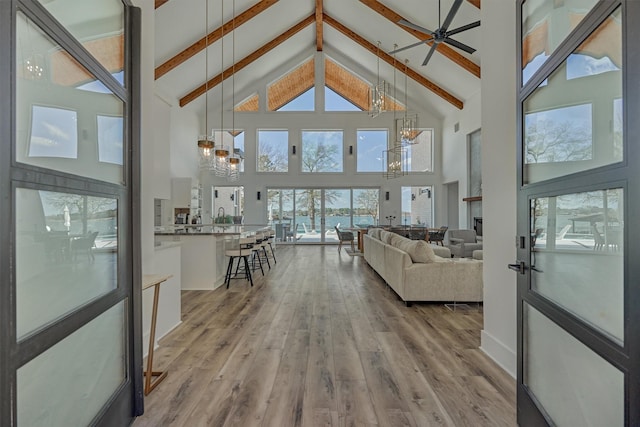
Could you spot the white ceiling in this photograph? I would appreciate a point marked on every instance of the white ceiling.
(179, 23)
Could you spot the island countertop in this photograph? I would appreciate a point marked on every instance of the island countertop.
(210, 229)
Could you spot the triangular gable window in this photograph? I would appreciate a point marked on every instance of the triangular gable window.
(297, 83)
(336, 102)
(304, 102)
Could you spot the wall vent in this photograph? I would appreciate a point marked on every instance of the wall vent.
(456, 127)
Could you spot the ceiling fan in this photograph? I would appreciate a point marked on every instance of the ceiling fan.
(442, 34)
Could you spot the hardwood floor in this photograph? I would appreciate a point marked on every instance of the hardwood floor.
(321, 340)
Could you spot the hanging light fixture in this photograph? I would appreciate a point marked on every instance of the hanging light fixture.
(378, 92)
(394, 159)
(409, 126)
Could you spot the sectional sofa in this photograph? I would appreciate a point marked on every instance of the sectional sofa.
(418, 271)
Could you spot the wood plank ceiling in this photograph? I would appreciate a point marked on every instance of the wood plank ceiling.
(319, 18)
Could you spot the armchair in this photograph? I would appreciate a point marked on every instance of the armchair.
(462, 243)
(344, 236)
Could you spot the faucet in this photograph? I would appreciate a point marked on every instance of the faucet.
(221, 215)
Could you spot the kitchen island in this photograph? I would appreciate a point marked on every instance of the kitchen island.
(203, 261)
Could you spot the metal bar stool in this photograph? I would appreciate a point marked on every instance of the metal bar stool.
(272, 236)
(261, 244)
(244, 250)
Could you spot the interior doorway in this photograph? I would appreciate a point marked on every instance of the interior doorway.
(453, 210)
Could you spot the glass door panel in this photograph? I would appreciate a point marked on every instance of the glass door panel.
(336, 213)
(366, 207)
(567, 123)
(545, 24)
(575, 386)
(69, 383)
(66, 254)
(577, 256)
(308, 218)
(98, 25)
(64, 122)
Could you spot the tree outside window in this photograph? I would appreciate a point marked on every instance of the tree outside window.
(272, 150)
(322, 151)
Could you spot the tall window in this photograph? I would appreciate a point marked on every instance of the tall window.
(272, 151)
(370, 145)
(417, 206)
(420, 155)
(322, 151)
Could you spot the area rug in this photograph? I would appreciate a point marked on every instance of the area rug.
(351, 252)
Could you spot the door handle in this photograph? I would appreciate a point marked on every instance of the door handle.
(518, 266)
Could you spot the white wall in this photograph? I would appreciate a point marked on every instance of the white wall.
(161, 148)
(498, 49)
(153, 185)
(455, 152)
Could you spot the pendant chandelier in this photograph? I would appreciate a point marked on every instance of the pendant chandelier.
(378, 92)
(409, 125)
(221, 159)
(394, 159)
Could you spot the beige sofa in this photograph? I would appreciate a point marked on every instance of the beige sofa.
(418, 271)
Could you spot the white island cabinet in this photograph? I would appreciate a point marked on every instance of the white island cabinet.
(203, 259)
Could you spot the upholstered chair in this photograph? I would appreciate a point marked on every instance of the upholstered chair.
(462, 243)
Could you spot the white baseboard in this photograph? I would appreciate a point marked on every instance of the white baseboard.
(500, 353)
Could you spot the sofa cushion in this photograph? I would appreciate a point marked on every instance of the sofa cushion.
(374, 232)
(395, 240)
(386, 236)
(418, 250)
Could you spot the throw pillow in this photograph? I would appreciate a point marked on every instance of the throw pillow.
(419, 250)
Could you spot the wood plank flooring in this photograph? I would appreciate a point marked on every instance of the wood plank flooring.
(321, 340)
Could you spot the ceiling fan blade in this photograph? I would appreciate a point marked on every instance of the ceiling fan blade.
(463, 28)
(459, 45)
(411, 45)
(454, 9)
(430, 54)
(406, 23)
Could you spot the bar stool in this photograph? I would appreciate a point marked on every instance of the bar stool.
(272, 236)
(244, 250)
(261, 245)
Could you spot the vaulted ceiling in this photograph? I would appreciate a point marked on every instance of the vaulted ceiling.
(253, 42)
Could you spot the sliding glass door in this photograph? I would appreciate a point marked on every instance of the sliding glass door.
(310, 215)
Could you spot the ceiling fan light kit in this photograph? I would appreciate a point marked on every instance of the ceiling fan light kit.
(440, 35)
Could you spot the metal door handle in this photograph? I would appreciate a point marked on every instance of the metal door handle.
(519, 267)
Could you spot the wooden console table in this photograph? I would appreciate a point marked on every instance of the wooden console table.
(149, 280)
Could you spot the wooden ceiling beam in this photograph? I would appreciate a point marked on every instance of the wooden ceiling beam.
(214, 36)
(476, 3)
(319, 35)
(247, 60)
(450, 53)
(160, 3)
(390, 60)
